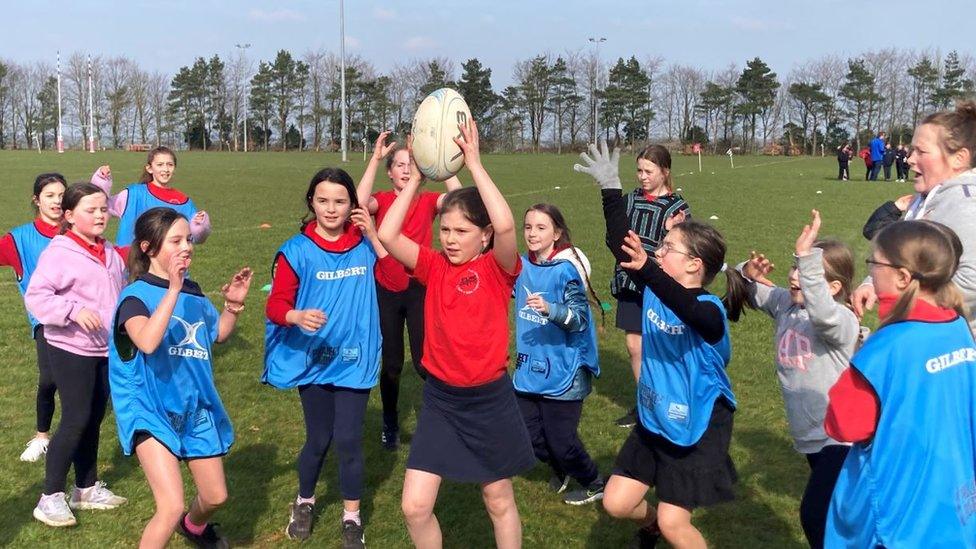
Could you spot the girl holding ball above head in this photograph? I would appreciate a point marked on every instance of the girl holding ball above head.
(557, 350)
(20, 249)
(943, 158)
(651, 210)
(685, 401)
(323, 337)
(404, 306)
(469, 428)
(153, 190)
(73, 292)
(161, 373)
(907, 404)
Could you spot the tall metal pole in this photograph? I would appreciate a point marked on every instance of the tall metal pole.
(596, 102)
(342, 77)
(91, 111)
(60, 138)
(243, 49)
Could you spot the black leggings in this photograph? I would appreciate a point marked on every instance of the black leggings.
(553, 426)
(397, 308)
(82, 383)
(46, 388)
(825, 466)
(332, 414)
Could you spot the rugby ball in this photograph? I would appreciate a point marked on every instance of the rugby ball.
(435, 125)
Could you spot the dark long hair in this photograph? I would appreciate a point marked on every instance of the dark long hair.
(43, 180)
(328, 175)
(72, 196)
(147, 177)
(566, 241)
(151, 227)
(706, 243)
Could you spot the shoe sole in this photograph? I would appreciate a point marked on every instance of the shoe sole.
(626, 425)
(28, 460)
(297, 538)
(591, 499)
(43, 518)
(87, 506)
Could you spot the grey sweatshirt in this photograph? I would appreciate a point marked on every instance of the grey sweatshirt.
(954, 205)
(813, 345)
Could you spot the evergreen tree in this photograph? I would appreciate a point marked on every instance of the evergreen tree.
(757, 86)
(954, 85)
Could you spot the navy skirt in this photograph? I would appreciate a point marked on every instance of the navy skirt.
(471, 434)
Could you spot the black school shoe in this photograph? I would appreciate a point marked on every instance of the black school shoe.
(353, 535)
(209, 539)
(300, 521)
(390, 438)
(628, 420)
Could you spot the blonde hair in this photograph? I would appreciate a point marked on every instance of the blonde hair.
(838, 263)
(930, 251)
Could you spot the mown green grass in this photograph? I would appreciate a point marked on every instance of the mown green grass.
(760, 205)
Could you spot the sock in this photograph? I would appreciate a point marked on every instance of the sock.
(351, 515)
(194, 529)
(300, 500)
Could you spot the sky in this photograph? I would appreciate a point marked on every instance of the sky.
(710, 34)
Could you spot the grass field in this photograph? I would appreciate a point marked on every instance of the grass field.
(760, 205)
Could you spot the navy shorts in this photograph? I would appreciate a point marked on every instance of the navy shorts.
(630, 313)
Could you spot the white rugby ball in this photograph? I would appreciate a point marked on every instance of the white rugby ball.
(435, 125)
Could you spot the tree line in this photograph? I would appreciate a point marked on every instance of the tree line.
(293, 102)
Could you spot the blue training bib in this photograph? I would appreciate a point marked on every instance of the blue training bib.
(170, 394)
(30, 243)
(914, 483)
(681, 374)
(548, 357)
(345, 352)
(139, 200)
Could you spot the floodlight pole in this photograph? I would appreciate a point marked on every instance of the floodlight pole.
(596, 101)
(243, 49)
(91, 111)
(342, 77)
(60, 139)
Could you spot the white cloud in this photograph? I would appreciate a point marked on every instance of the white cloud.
(275, 16)
(415, 43)
(383, 14)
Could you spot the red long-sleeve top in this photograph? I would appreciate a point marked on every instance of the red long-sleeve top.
(8, 249)
(284, 282)
(853, 410)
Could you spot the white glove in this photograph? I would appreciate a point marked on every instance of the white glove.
(601, 165)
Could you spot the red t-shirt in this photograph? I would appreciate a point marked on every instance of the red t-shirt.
(465, 317)
(418, 225)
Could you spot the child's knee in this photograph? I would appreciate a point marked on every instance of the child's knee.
(616, 506)
(214, 497)
(499, 500)
(416, 509)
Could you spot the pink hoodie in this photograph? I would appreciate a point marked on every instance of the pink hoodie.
(67, 279)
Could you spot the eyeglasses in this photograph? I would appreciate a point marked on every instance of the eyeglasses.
(873, 263)
(666, 247)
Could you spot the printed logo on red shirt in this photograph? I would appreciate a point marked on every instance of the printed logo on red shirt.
(469, 282)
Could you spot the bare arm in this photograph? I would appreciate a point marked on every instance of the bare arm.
(502, 221)
(396, 243)
(452, 184)
(234, 293)
(364, 191)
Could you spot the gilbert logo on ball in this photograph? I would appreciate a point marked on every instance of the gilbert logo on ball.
(435, 125)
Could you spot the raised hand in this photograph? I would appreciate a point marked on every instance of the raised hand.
(380, 148)
(469, 143)
(638, 255)
(757, 268)
(176, 270)
(236, 290)
(105, 171)
(361, 218)
(601, 165)
(675, 219)
(808, 235)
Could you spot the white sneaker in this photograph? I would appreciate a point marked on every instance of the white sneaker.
(96, 497)
(36, 448)
(53, 510)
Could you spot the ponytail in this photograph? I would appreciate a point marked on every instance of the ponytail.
(736, 298)
(594, 299)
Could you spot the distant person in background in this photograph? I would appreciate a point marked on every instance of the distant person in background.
(888, 160)
(901, 163)
(866, 155)
(844, 154)
(877, 147)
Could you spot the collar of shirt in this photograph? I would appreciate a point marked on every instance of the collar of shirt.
(45, 229)
(923, 310)
(168, 195)
(349, 238)
(651, 198)
(552, 254)
(97, 250)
